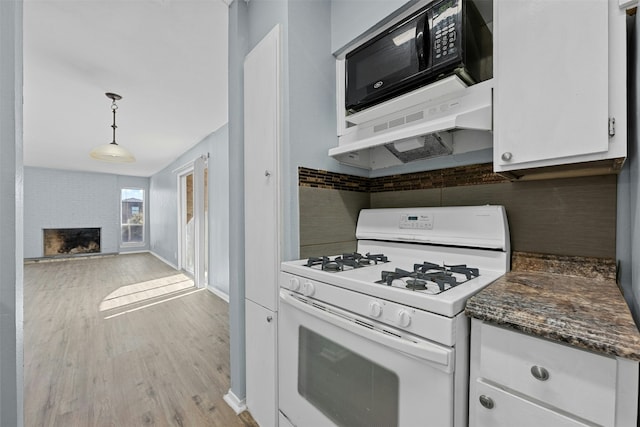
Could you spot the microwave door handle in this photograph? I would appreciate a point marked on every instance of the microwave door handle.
(437, 355)
(422, 41)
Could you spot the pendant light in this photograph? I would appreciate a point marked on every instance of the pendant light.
(112, 152)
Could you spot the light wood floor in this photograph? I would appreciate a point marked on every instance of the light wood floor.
(123, 341)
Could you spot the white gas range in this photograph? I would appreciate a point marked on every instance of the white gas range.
(379, 337)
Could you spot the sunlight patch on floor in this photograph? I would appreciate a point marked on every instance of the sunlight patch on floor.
(143, 291)
(153, 303)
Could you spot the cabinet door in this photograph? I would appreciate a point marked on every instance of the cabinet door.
(494, 407)
(578, 381)
(261, 170)
(261, 327)
(551, 73)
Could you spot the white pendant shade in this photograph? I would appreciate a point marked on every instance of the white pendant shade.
(112, 153)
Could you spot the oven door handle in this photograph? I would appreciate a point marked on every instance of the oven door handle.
(439, 356)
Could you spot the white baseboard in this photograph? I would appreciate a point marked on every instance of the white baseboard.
(238, 405)
(170, 264)
(218, 293)
(137, 251)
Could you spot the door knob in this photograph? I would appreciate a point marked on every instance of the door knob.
(507, 156)
(267, 173)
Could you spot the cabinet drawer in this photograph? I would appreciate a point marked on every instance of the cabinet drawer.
(577, 381)
(503, 409)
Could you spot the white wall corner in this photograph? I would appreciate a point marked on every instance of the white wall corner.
(170, 264)
(217, 292)
(238, 405)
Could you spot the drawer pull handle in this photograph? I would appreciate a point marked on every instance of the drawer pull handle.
(539, 373)
(486, 401)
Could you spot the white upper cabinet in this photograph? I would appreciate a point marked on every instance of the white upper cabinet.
(262, 171)
(560, 82)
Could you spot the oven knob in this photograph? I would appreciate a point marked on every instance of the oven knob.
(375, 309)
(294, 284)
(404, 319)
(309, 289)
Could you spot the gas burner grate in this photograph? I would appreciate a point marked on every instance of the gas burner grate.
(346, 261)
(469, 272)
(427, 275)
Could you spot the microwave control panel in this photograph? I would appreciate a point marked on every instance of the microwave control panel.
(445, 31)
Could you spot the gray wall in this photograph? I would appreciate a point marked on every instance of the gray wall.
(163, 207)
(238, 48)
(11, 208)
(628, 227)
(69, 199)
(350, 18)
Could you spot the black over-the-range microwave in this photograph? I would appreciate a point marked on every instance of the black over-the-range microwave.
(445, 37)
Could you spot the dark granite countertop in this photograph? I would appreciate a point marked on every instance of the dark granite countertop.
(586, 312)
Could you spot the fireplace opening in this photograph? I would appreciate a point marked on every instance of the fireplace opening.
(71, 241)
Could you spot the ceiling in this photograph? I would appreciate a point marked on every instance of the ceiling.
(166, 58)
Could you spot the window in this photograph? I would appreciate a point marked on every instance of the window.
(132, 216)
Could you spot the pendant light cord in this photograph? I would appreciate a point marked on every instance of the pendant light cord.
(114, 107)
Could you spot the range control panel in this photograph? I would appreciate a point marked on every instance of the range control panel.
(416, 221)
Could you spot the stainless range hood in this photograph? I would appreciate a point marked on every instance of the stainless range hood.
(440, 119)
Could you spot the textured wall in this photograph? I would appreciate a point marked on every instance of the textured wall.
(573, 216)
(65, 199)
(69, 199)
(328, 220)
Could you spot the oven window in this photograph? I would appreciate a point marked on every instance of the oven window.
(344, 386)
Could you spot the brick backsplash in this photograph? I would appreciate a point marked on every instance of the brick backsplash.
(331, 180)
(450, 177)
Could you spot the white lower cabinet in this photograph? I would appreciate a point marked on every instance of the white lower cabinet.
(261, 344)
(521, 380)
(500, 408)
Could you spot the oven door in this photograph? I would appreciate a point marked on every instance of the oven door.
(337, 368)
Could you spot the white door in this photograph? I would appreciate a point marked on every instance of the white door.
(193, 221)
(261, 170)
(186, 223)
